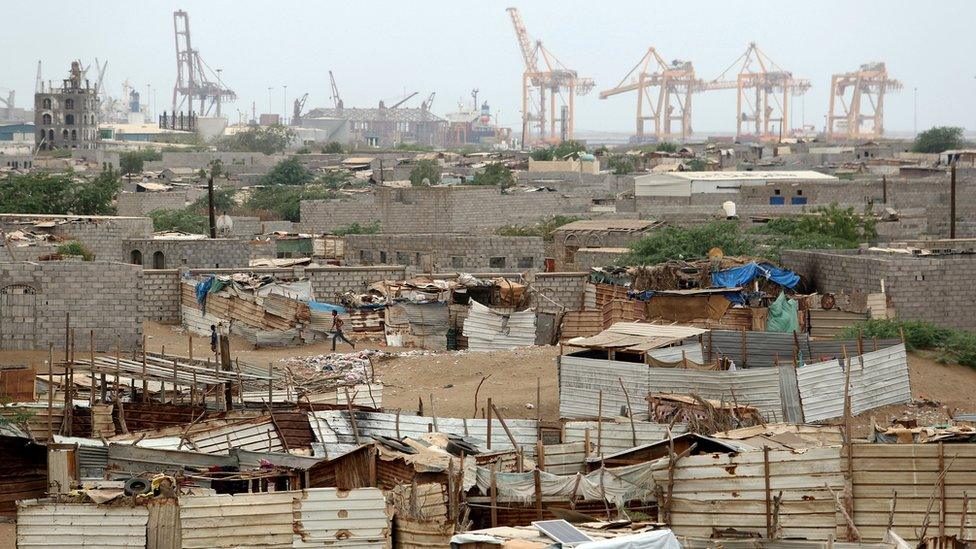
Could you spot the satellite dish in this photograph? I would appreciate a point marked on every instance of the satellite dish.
(225, 223)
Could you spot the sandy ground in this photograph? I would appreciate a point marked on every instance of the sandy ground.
(453, 377)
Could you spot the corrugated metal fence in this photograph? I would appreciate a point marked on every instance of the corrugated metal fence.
(877, 379)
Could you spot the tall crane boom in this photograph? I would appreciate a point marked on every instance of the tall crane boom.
(192, 79)
(543, 89)
(335, 92)
(675, 83)
(529, 53)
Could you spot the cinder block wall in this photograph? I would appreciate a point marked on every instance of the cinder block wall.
(447, 252)
(138, 204)
(456, 209)
(161, 295)
(100, 296)
(193, 254)
(103, 235)
(563, 290)
(934, 289)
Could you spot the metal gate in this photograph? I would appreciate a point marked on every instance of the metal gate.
(18, 317)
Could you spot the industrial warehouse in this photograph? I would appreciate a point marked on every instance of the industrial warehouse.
(406, 290)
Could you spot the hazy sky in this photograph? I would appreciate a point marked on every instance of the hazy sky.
(378, 50)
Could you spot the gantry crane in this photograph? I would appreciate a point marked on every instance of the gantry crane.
(768, 104)
(675, 83)
(297, 110)
(869, 82)
(538, 82)
(192, 81)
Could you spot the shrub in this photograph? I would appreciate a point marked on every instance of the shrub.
(73, 247)
(425, 169)
(953, 345)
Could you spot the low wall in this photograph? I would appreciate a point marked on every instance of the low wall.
(193, 254)
(927, 288)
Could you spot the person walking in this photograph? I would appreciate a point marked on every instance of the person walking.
(337, 331)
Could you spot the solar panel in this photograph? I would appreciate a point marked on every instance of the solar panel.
(562, 532)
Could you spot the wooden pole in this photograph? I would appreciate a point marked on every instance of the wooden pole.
(586, 443)
(511, 438)
(962, 516)
(942, 495)
(189, 346)
(769, 498)
(488, 426)
(270, 383)
(630, 413)
(537, 477)
(540, 455)
(599, 423)
(91, 372)
(493, 494)
(145, 383)
(745, 348)
(852, 533)
(50, 391)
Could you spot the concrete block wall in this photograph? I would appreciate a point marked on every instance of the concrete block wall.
(142, 203)
(446, 252)
(454, 209)
(563, 290)
(103, 235)
(161, 295)
(587, 258)
(327, 281)
(233, 162)
(193, 254)
(930, 288)
(100, 296)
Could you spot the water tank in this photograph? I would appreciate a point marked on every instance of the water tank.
(729, 208)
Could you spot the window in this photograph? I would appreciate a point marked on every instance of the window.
(403, 258)
(46, 103)
(50, 135)
(526, 262)
(799, 192)
(416, 258)
(74, 135)
(776, 192)
(365, 256)
(69, 103)
(403, 127)
(64, 134)
(496, 262)
(373, 141)
(159, 260)
(47, 119)
(69, 119)
(136, 257)
(457, 262)
(382, 257)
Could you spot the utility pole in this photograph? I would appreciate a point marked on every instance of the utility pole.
(952, 201)
(270, 107)
(210, 207)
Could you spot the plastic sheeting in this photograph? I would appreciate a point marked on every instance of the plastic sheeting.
(657, 539)
(618, 484)
(740, 276)
(782, 315)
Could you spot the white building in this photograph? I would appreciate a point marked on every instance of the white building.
(689, 183)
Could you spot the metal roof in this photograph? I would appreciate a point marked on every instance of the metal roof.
(488, 330)
(43, 524)
(636, 336)
(797, 175)
(628, 225)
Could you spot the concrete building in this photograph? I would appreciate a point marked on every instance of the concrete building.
(67, 117)
(691, 183)
(444, 209)
(17, 133)
(379, 127)
(603, 234)
(447, 252)
(164, 252)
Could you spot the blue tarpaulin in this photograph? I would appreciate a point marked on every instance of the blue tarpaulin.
(325, 307)
(203, 289)
(740, 276)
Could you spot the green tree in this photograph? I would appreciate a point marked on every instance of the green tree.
(558, 152)
(689, 243)
(696, 164)
(828, 227)
(336, 179)
(264, 139)
(428, 170)
(132, 162)
(217, 168)
(496, 174)
(666, 146)
(289, 171)
(73, 247)
(284, 201)
(44, 193)
(939, 139)
(332, 147)
(620, 165)
(543, 228)
(185, 220)
(223, 202)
